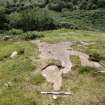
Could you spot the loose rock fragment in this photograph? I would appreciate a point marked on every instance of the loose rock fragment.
(14, 54)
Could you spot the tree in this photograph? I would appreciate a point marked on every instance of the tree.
(101, 3)
(31, 19)
(3, 19)
(15, 20)
(83, 4)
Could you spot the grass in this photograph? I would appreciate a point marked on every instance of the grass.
(75, 60)
(19, 87)
(38, 79)
(15, 73)
(6, 48)
(87, 87)
(72, 35)
(96, 50)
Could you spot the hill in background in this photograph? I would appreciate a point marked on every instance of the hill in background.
(73, 14)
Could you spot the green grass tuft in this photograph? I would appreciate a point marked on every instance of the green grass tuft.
(38, 79)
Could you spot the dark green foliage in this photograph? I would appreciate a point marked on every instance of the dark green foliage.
(14, 32)
(31, 19)
(3, 19)
(54, 4)
(66, 25)
(15, 19)
(57, 5)
(86, 70)
(19, 34)
(36, 19)
(30, 35)
(83, 19)
(29, 15)
(101, 3)
(95, 57)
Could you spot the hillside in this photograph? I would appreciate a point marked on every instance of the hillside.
(58, 5)
(73, 14)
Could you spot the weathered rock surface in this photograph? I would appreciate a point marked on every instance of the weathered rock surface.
(14, 54)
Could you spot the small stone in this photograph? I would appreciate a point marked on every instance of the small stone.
(8, 84)
(14, 54)
(84, 43)
(55, 97)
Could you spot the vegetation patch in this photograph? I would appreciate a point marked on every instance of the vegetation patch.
(18, 87)
(95, 57)
(15, 74)
(84, 85)
(38, 79)
(72, 35)
(17, 34)
(86, 70)
(75, 60)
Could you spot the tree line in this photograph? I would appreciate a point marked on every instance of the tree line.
(34, 14)
(57, 5)
(27, 19)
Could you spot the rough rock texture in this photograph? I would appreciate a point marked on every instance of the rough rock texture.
(53, 75)
(62, 51)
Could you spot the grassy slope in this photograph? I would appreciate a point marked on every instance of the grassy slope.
(92, 20)
(15, 74)
(86, 20)
(19, 87)
(88, 88)
(76, 35)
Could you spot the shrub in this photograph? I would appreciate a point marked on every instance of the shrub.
(86, 70)
(95, 57)
(14, 32)
(31, 19)
(15, 20)
(69, 6)
(19, 34)
(30, 35)
(36, 19)
(56, 6)
(3, 19)
(101, 3)
(66, 25)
